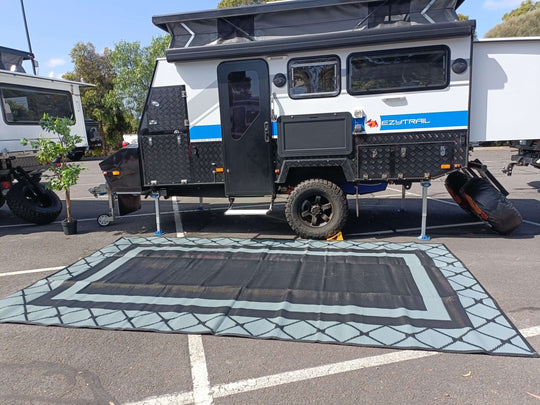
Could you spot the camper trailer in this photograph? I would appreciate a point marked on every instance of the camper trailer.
(24, 98)
(312, 99)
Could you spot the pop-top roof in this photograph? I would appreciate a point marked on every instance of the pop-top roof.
(12, 59)
(295, 20)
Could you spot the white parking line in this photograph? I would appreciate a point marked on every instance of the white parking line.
(531, 332)
(413, 229)
(18, 273)
(253, 384)
(177, 218)
(531, 223)
(199, 372)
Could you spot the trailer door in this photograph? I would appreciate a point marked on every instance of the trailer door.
(244, 97)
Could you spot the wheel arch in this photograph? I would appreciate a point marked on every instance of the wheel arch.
(294, 172)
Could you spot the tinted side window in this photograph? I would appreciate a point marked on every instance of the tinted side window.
(400, 70)
(244, 103)
(27, 105)
(314, 77)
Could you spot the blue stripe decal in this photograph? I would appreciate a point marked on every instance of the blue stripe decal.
(205, 133)
(213, 132)
(425, 120)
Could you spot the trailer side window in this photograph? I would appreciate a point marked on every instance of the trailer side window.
(400, 70)
(314, 77)
(26, 105)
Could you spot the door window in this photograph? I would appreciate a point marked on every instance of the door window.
(244, 101)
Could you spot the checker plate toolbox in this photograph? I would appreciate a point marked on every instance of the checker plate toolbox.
(314, 99)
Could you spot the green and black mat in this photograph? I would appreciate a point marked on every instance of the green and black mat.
(381, 294)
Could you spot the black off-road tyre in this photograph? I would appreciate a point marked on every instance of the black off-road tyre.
(317, 209)
(491, 206)
(40, 206)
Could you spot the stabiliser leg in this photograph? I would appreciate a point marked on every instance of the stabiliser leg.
(158, 231)
(423, 236)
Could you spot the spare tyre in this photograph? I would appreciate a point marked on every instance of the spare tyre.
(490, 205)
(34, 202)
(454, 181)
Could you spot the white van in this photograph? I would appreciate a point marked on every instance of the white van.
(24, 99)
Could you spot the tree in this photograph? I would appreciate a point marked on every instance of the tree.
(239, 3)
(524, 21)
(53, 155)
(92, 68)
(525, 7)
(96, 69)
(133, 67)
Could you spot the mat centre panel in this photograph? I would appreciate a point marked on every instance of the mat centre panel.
(263, 282)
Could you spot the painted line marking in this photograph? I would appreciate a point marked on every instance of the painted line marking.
(219, 207)
(183, 398)
(429, 198)
(531, 223)
(253, 384)
(18, 273)
(199, 372)
(441, 226)
(177, 218)
(533, 331)
(414, 229)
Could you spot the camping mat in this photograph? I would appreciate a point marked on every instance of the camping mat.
(398, 295)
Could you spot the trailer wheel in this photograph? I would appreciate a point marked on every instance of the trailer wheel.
(316, 209)
(34, 203)
(454, 181)
(104, 220)
(491, 206)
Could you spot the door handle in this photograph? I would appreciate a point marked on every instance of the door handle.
(266, 132)
(398, 99)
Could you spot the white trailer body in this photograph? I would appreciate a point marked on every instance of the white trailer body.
(384, 113)
(505, 89)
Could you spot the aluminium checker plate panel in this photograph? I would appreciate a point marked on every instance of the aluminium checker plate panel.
(409, 156)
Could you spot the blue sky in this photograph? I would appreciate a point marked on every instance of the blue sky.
(55, 26)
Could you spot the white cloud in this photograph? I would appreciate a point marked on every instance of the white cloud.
(55, 62)
(54, 75)
(501, 4)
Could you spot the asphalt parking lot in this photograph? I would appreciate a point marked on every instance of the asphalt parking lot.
(53, 365)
